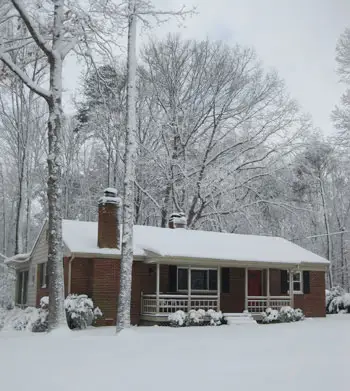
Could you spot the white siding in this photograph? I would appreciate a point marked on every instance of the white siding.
(39, 255)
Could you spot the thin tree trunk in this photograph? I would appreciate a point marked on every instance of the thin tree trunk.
(123, 317)
(19, 209)
(57, 316)
(329, 239)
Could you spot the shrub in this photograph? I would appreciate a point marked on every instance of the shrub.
(284, 315)
(196, 318)
(177, 319)
(79, 312)
(337, 300)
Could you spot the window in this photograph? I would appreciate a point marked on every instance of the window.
(22, 287)
(201, 279)
(297, 282)
(44, 280)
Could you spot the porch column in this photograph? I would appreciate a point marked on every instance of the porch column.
(268, 286)
(189, 289)
(291, 293)
(157, 287)
(219, 287)
(246, 290)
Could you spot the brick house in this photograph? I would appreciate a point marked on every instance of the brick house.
(176, 269)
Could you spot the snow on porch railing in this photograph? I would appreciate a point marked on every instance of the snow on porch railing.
(257, 304)
(171, 303)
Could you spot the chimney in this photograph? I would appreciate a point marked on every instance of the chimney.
(108, 219)
(177, 220)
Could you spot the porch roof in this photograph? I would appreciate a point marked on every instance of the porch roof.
(154, 242)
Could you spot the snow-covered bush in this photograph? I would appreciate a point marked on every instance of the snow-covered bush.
(177, 319)
(80, 311)
(19, 319)
(270, 316)
(284, 315)
(80, 314)
(337, 300)
(7, 286)
(216, 318)
(196, 318)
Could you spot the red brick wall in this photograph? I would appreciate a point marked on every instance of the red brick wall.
(313, 304)
(105, 288)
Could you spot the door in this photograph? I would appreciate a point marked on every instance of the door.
(254, 282)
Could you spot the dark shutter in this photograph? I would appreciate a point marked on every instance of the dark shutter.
(225, 280)
(284, 281)
(172, 278)
(306, 282)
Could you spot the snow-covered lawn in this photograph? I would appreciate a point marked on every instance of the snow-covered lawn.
(312, 355)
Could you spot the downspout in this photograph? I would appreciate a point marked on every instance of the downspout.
(70, 274)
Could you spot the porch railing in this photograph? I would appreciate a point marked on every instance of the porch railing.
(257, 304)
(172, 303)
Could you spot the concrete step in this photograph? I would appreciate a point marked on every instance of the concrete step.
(239, 318)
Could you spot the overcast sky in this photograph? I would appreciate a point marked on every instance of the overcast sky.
(297, 37)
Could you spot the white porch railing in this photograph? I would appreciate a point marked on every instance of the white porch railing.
(257, 304)
(172, 303)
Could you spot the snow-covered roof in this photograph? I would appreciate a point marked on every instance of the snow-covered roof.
(81, 238)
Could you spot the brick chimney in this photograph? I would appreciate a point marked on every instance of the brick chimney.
(177, 220)
(108, 219)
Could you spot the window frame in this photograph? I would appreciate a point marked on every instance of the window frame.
(299, 281)
(197, 290)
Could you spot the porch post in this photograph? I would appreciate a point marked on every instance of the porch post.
(246, 289)
(291, 293)
(219, 287)
(157, 288)
(189, 289)
(268, 286)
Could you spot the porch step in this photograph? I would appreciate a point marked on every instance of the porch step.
(239, 318)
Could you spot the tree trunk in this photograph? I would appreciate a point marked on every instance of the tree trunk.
(329, 239)
(123, 317)
(57, 317)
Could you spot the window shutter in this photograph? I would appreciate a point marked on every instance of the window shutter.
(306, 282)
(284, 281)
(172, 278)
(225, 280)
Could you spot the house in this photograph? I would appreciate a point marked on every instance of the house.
(176, 269)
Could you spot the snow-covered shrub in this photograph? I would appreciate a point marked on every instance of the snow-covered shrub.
(19, 319)
(196, 318)
(298, 315)
(337, 300)
(284, 315)
(270, 316)
(216, 318)
(7, 286)
(80, 311)
(177, 319)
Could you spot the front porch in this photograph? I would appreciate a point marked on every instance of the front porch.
(155, 307)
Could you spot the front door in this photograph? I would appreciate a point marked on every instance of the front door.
(254, 282)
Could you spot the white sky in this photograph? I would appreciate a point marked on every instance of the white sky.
(297, 37)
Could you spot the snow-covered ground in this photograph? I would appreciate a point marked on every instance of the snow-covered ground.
(312, 355)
